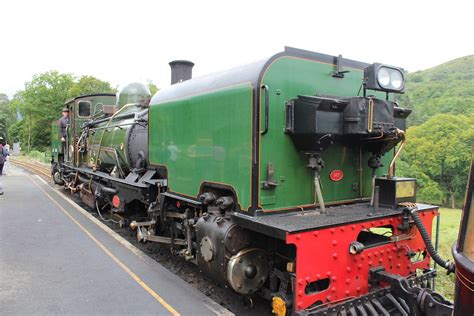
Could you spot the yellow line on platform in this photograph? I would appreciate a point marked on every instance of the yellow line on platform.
(111, 255)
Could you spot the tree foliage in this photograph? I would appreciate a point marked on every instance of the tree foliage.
(440, 136)
(17, 132)
(7, 116)
(89, 85)
(41, 101)
(153, 88)
(438, 154)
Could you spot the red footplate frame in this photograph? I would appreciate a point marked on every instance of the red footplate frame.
(324, 253)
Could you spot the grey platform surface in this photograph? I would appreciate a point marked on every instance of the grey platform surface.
(49, 265)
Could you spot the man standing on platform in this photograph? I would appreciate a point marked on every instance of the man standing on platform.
(63, 123)
(3, 158)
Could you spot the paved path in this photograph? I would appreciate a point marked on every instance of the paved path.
(55, 258)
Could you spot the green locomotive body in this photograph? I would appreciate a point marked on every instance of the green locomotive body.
(275, 178)
(113, 140)
(217, 143)
(218, 151)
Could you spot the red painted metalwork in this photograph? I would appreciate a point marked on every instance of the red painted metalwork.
(116, 201)
(336, 175)
(324, 253)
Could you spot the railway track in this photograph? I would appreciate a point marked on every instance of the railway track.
(30, 166)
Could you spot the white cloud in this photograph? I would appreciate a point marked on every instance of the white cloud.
(123, 41)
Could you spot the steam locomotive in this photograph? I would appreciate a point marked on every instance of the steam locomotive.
(275, 178)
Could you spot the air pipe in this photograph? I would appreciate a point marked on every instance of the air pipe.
(449, 266)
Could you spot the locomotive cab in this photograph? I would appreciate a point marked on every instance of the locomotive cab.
(81, 109)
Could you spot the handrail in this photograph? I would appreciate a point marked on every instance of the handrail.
(267, 106)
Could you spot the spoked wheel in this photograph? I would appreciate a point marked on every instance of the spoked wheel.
(56, 174)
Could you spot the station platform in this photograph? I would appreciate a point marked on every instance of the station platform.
(55, 258)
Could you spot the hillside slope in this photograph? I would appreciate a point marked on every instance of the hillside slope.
(447, 88)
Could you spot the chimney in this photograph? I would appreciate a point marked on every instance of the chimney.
(181, 70)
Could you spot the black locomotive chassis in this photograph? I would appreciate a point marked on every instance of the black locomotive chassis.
(403, 296)
(390, 295)
(134, 187)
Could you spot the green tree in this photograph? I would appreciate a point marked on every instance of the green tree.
(40, 103)
(7, 116)
(153, 88)
(90, 85)
(16, 132)
(438, 153)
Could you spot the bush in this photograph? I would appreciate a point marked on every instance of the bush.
(41, 156)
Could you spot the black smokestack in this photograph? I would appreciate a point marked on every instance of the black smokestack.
(181, 70)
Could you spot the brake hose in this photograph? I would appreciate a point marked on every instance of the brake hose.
(429, 246)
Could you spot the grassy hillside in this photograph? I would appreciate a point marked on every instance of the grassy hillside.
(447, 88)
(441, 130)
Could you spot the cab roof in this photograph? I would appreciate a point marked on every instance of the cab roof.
(247, 73)
(89, 96)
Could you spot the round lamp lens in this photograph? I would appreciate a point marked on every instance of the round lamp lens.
(383, 77)
(396, 79)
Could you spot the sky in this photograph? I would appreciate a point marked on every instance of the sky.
(124, 41)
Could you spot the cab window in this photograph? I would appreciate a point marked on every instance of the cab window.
(84, 109)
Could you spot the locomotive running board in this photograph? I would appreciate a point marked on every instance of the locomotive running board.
(143, 182)
(280, 224)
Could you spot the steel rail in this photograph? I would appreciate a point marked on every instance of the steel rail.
(42, 171)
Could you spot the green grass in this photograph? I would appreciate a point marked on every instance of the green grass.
(448, 233)
(41, 156)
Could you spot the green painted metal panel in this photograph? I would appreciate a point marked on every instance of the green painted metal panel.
(108, 145)
(113, 141)
(205, 137)
(288, 77)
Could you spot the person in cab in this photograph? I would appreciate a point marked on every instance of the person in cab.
(63, 123)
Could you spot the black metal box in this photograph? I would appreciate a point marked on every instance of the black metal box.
(365, 116)
(395, 190)
(310, 118)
